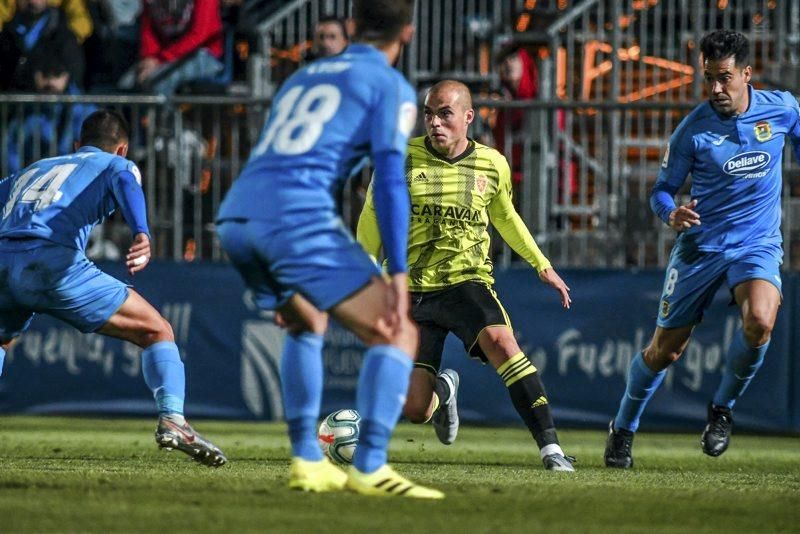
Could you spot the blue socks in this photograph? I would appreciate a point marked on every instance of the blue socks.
(301, 382)
(163, 373)
(642, 383)
(741, 364)
(382, 388)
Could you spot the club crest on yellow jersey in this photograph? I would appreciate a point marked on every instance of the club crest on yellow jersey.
(481, 181)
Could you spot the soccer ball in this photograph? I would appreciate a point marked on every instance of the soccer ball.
(338, 435)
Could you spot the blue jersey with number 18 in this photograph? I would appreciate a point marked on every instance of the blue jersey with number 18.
(326, 120)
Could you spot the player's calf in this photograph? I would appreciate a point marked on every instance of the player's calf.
(530, 400)
(417, 412)
(421, 401)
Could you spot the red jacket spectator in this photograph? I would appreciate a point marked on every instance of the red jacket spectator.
(520, 78)
(167, 37)
(521, 81)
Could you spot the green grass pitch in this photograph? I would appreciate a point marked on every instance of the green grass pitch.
(106, 475)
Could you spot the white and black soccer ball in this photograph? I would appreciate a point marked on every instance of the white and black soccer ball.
(338, 435)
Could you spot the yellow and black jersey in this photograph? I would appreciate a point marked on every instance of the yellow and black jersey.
(452, 203)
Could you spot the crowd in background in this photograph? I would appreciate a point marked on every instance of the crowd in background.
(74, 47)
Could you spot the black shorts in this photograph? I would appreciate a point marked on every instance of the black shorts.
(465, 310)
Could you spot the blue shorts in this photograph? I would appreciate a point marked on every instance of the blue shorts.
(694, 276)
(37, 276)
(320, 260)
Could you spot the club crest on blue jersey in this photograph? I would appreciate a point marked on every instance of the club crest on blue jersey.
(763, 131)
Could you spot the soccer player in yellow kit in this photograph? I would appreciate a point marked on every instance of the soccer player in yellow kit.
(457, 187)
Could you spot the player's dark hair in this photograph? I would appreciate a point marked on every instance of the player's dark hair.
(722, 44)
(333, 19)
(105, 129)
(381, 21)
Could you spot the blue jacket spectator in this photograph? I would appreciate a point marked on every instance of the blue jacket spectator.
(36, 29)
(48, 129)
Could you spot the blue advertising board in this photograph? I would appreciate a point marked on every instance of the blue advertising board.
(232, 352)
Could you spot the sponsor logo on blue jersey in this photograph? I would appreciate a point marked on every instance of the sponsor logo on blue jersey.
(746, 163)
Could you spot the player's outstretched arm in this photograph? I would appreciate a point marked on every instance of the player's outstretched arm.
(514, 232)
(138, 254)
(550, 277)
(684, 217)
(510, 225)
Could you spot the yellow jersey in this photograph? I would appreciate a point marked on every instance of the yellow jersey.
(452, 203)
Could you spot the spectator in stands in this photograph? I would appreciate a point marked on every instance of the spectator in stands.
(330, 38)
(520, 79)
(75, 11)
(36, 29)
(47, 129)
(113, 47)
(181, 40)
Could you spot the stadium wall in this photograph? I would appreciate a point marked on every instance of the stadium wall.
(232, 352)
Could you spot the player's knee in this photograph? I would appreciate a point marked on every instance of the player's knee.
(316, 324)
(405, 336)
(499, 344)
(659, 356)
(155, 331)
(757, 329)
(166, 331)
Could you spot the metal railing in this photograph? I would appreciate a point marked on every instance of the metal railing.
(191, 149)
(453, 39)
(566, 195)
(643, 52)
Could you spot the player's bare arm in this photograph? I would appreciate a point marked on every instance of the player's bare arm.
(684, 217)
(550, 277)
(138, 254)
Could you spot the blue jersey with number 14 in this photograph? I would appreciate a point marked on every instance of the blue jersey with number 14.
(61, 199)
(325, 121)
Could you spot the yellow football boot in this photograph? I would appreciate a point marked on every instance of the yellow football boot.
(385, 483)
(305, 475)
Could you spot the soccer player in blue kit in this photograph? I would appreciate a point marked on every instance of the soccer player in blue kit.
(279, 225)
(49, 209)
(729, 232)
